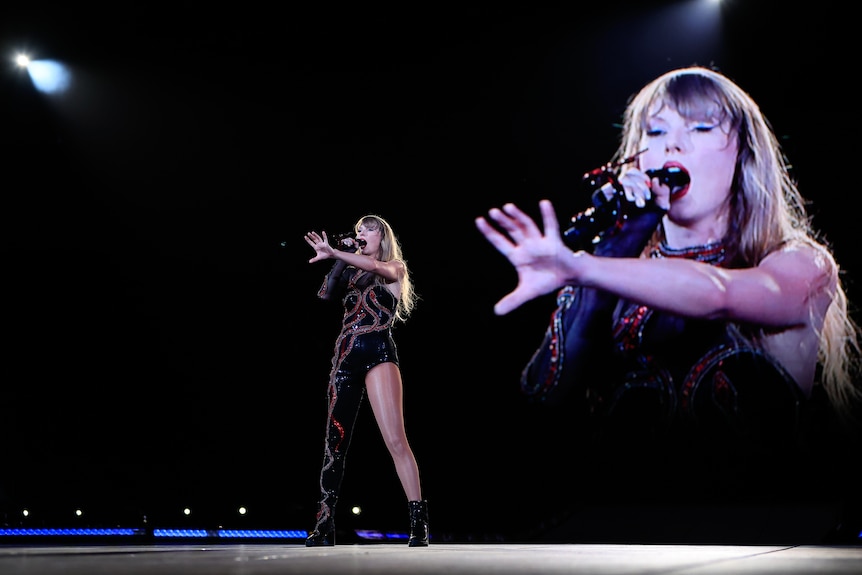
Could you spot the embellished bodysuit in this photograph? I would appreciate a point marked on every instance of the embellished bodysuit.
(365, 341)
(705, 375)
(647, 373)
(663, 406)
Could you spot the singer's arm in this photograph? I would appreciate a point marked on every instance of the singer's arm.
(391, 271)
(791, 288)
(781, 292)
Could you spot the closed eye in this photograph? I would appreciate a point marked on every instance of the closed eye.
(704, 128)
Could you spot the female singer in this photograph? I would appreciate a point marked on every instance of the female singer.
(371, 279)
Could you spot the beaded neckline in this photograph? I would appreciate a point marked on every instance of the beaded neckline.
(713, 253)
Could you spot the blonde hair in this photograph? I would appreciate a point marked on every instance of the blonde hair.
(390, 250)
(767, 209)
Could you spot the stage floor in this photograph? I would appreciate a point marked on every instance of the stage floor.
(449, 559)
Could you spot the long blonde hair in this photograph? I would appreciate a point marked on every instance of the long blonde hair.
(767, 209)
(390, 250)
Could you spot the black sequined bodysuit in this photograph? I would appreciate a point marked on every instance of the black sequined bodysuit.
(704, 374)
(667, 407)
(647, 372)
(364, 342)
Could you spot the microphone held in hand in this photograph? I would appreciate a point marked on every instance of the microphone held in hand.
(672, 177)
(347, 242)
(589, 225)
(608, 214)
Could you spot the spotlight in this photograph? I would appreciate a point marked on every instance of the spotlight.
(48, 76)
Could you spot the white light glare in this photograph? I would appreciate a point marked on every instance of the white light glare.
(49, 76)
(23, 60)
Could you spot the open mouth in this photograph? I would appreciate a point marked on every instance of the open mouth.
(677, 193)
(671, 176)
(674, 177)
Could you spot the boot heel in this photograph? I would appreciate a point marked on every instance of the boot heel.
(418, 523)
(322, 536)
(318, 539)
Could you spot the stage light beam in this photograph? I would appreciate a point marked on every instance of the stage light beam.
(48, 76)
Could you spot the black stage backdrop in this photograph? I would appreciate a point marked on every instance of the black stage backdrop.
(163, 342)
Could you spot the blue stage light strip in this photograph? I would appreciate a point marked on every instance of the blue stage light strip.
(379, 535)
(185, 533)
(262, 534)
(232, 533)
(67, 532)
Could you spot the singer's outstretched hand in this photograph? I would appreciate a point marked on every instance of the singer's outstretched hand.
(537, 256)
(321, 246)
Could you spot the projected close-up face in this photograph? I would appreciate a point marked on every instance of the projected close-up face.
(706, 149)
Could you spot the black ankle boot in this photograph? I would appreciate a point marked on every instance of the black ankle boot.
(322, 536)
(418, 523)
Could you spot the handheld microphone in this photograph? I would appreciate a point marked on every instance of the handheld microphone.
(344, 241)
(673, 177)
(347, 242)
(606, 214)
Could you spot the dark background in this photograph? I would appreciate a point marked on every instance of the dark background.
(163, 343)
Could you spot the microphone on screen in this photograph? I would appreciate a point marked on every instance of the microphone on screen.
(672, 176)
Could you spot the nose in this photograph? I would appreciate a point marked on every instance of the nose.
(676, 141)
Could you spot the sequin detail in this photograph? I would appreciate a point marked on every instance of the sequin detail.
(713, 253)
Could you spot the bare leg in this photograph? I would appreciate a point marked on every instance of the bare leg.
(385, 393)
